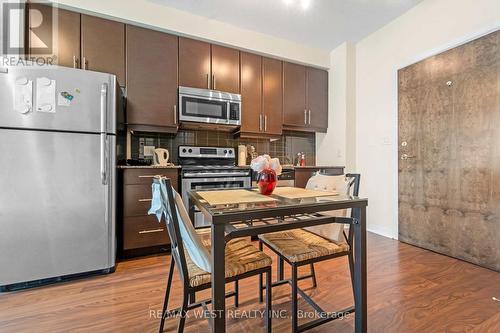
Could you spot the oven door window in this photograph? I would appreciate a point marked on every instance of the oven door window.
(218, 184)
(202, 108)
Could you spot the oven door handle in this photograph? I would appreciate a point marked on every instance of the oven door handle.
(213, 174)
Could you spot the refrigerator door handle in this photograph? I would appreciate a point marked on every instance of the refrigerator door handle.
(104, 176)
(104, 112)
(104, 107)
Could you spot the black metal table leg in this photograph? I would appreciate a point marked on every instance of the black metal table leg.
(360, 314)
(218, 279)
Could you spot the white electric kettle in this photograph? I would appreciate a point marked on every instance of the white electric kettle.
(161, 156)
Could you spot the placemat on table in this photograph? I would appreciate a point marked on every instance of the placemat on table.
(300, 193)
(225, 197)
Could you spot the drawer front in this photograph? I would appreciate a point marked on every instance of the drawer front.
(145, 176)
(144, 231)
(137, 200)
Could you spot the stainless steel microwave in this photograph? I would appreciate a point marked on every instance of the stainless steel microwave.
(209, 106)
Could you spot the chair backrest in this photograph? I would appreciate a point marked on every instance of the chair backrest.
(332, 181)
(355, 178)
(172, 222)
(191, 240)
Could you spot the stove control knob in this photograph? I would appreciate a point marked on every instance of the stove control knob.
(225, 151)
(230, 151)
(190, 150)
(184, 150)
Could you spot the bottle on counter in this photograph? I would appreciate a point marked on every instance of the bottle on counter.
(303, 159)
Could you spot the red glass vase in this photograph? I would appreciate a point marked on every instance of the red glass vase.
(267, 181)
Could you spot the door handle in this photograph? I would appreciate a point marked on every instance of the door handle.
(74, 62)
(265, 123)
(208, 81)
(309, 117)
(104, 176)
(305, 117)
(104, 107)
(104, 111)
(260, 122)
(85, 63)
(145, 200)
(149, 231)
(175, 114)
(213, 81)
(406, 156)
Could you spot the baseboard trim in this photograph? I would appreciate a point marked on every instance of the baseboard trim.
(382, 231)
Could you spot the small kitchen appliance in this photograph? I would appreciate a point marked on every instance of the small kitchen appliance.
(209, 107)
(161, 156)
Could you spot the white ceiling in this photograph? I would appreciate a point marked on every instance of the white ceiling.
(325, 24)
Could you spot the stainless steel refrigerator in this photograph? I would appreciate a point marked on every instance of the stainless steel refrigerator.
(57, 176)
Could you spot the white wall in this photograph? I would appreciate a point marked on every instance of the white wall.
(331, 147)
(154, 15)
(427, 29)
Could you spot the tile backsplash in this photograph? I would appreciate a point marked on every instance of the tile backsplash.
(285, 148)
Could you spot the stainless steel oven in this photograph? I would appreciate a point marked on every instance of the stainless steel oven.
(206, 168)
(209, 106)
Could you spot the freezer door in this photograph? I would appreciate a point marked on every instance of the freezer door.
(57, 98)
(56, 208)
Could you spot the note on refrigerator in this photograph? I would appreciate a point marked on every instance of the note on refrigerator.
(23, 95)
(45, 95)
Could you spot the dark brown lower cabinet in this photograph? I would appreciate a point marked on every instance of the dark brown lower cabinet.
(140, 233)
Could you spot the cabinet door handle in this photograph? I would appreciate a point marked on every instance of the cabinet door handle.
(75, 62)
(208, 81)
(265, 123)
(175, 114)
(260, 122)
(213, 81)
(85, 63)
(146, 176)
(149, 231)
(305, 117)
(144, 200)
(309, 117)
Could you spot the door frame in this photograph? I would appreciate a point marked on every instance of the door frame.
(422, 56)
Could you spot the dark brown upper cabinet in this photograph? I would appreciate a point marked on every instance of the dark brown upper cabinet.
(225, 69)
(305, 98)
(194, 63)
(151, 80)
(103, 46)
(294, 101)
(272, 96)
(202, 65)
(66, 44)
(317, 99)
(261, 96)
(251, 93)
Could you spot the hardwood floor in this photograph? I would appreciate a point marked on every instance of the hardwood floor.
(409, 290)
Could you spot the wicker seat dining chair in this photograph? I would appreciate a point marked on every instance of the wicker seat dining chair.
(242, 258)
(300, 247)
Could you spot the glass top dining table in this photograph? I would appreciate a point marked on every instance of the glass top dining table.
(237, 213)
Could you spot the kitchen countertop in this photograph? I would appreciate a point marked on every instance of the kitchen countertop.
(243, 167)
(148, 167)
